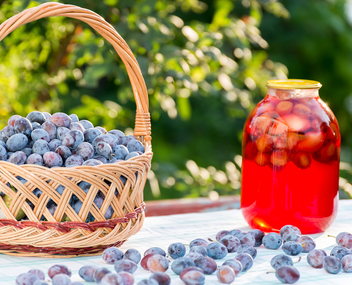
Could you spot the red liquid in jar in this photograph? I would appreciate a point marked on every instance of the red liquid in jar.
(290, 168)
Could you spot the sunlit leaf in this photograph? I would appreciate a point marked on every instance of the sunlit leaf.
(184, 108)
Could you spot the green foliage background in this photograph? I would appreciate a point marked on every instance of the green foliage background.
(205, 64)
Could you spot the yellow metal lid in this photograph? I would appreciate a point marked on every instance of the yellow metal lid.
(293, 84)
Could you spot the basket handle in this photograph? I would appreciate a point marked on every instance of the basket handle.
(50, 9)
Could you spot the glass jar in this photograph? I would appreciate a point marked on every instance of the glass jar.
(290, 159)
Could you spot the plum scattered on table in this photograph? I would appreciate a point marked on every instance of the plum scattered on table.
(194, 270)
(225, 274)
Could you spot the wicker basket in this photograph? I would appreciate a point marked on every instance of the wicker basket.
(53, 238)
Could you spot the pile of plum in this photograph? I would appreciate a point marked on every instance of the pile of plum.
(200, 260)
(60, 140)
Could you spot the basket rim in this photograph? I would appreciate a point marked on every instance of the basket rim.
(67, 226)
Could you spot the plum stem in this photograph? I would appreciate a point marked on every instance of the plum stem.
(212, 240)
(299, 259)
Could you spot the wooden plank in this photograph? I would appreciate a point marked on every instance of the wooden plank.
(191, 205)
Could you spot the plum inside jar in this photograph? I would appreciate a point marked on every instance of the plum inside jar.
(291, 153)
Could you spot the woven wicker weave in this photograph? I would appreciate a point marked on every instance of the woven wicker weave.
(53, 238)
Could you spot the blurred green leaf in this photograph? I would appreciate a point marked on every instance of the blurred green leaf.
(184, 108)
